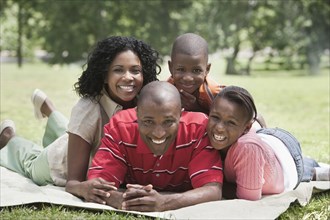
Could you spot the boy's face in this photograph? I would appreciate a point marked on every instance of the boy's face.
(189, 72)
(158, 124)
(227, 122)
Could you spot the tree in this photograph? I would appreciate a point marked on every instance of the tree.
(158, 25)
(68, 31)
(228, 22)
(294, 29)
(22, 11)
(318, 31)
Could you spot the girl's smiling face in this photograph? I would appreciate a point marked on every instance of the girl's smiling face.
(227, 122)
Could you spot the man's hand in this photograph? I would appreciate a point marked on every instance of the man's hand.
(142, 198)
(95, 190)
(137, 186)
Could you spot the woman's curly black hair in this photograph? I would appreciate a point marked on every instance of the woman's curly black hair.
(91, 82)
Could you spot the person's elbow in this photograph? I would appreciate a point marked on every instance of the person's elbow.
(252, 195)
(69, 186)
(215, 190)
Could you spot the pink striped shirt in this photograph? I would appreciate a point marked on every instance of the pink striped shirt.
(253, 166)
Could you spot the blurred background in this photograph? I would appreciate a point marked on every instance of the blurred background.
(277, 49)
(279, 34)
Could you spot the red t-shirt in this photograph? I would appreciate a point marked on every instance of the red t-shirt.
(190, 162)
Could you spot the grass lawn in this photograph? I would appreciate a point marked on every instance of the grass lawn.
(290, 100)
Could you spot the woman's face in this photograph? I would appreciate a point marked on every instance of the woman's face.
(125, 78)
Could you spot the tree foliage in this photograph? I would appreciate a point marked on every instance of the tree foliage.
(297, 30)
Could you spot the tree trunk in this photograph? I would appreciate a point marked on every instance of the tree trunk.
(20, 32)
(231, 70)
(248, 66)
(313, 59)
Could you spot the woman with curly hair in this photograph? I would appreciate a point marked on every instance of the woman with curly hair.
(117, 69)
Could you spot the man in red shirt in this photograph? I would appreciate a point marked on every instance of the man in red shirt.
(157, 148)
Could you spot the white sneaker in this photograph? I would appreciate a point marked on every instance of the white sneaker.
(322, 173)
(7, 123)
(38, 98)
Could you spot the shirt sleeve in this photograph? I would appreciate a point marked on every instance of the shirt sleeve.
(85, 120)
(248, 164)
(109, 162)
(202, 170)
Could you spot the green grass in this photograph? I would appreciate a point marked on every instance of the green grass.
(49, 211)
(290, 100)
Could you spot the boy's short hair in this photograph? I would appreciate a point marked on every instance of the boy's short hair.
(190, 44)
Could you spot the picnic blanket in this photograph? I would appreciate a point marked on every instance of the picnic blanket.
(17, 190)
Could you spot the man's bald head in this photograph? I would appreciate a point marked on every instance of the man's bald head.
(160, 93)
(158, 115)
(189, 44)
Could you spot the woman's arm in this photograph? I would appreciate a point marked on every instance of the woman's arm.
(78, 160)
(78, 157)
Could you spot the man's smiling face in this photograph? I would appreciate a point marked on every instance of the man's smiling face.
(158, 124)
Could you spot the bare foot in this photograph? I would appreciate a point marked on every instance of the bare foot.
(260, 119)
(42, 105)
(47, 107)
(6, 135)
